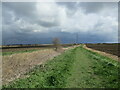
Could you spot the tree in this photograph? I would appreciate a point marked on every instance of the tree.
(56, 43)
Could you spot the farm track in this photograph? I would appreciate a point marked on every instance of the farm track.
(91, 71)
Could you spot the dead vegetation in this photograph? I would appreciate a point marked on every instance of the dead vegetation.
(16, 65)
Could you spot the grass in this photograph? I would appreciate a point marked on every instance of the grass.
(92, 70)
(79, 68)
(23, 51)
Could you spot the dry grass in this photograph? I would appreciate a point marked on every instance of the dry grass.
(16, 65)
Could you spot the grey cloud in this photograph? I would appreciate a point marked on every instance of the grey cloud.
(47, 24)
(70, 5)
(20, 8)
(94, 7)
(16, 15)
(89, 7)
(65, 37)
(25, 11)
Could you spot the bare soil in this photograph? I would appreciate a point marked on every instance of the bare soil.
(111, 48)
(103, 53)
(22, 49)
(16, 65)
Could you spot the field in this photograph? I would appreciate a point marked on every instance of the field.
(12, 49)
(75, 68)
(32, 46)
(17, 63)
(108, 48)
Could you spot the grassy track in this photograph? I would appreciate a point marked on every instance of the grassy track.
(92, 70)
(78, 68)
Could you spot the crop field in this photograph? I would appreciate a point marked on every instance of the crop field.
(74, 68)
(109, 48)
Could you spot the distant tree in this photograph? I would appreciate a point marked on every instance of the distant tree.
(21, 45)
(56, 43)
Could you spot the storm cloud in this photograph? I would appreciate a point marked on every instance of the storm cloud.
(40, 22)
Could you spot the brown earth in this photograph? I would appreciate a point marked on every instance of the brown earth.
(14, 48)
(21, 49)
(111, 48)
(103, 53)
(16, 65)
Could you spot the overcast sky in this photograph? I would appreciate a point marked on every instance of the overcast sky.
(34, 23)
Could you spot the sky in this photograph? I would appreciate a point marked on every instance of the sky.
(40, 22)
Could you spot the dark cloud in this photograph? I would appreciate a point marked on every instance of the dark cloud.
(89, 7)
(30, 23)
(47, 24)
(94, 7)
(46, 38)
(20, 8)
(70, 5)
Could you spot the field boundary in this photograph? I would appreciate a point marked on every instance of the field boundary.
(114, 57)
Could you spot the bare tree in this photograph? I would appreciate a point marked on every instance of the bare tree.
(56, 43)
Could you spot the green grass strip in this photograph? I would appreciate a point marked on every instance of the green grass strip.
(23, 51)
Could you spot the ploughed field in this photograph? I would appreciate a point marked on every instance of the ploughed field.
(108, 48)
(20, 49)
(15, 64)
(14, 48)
